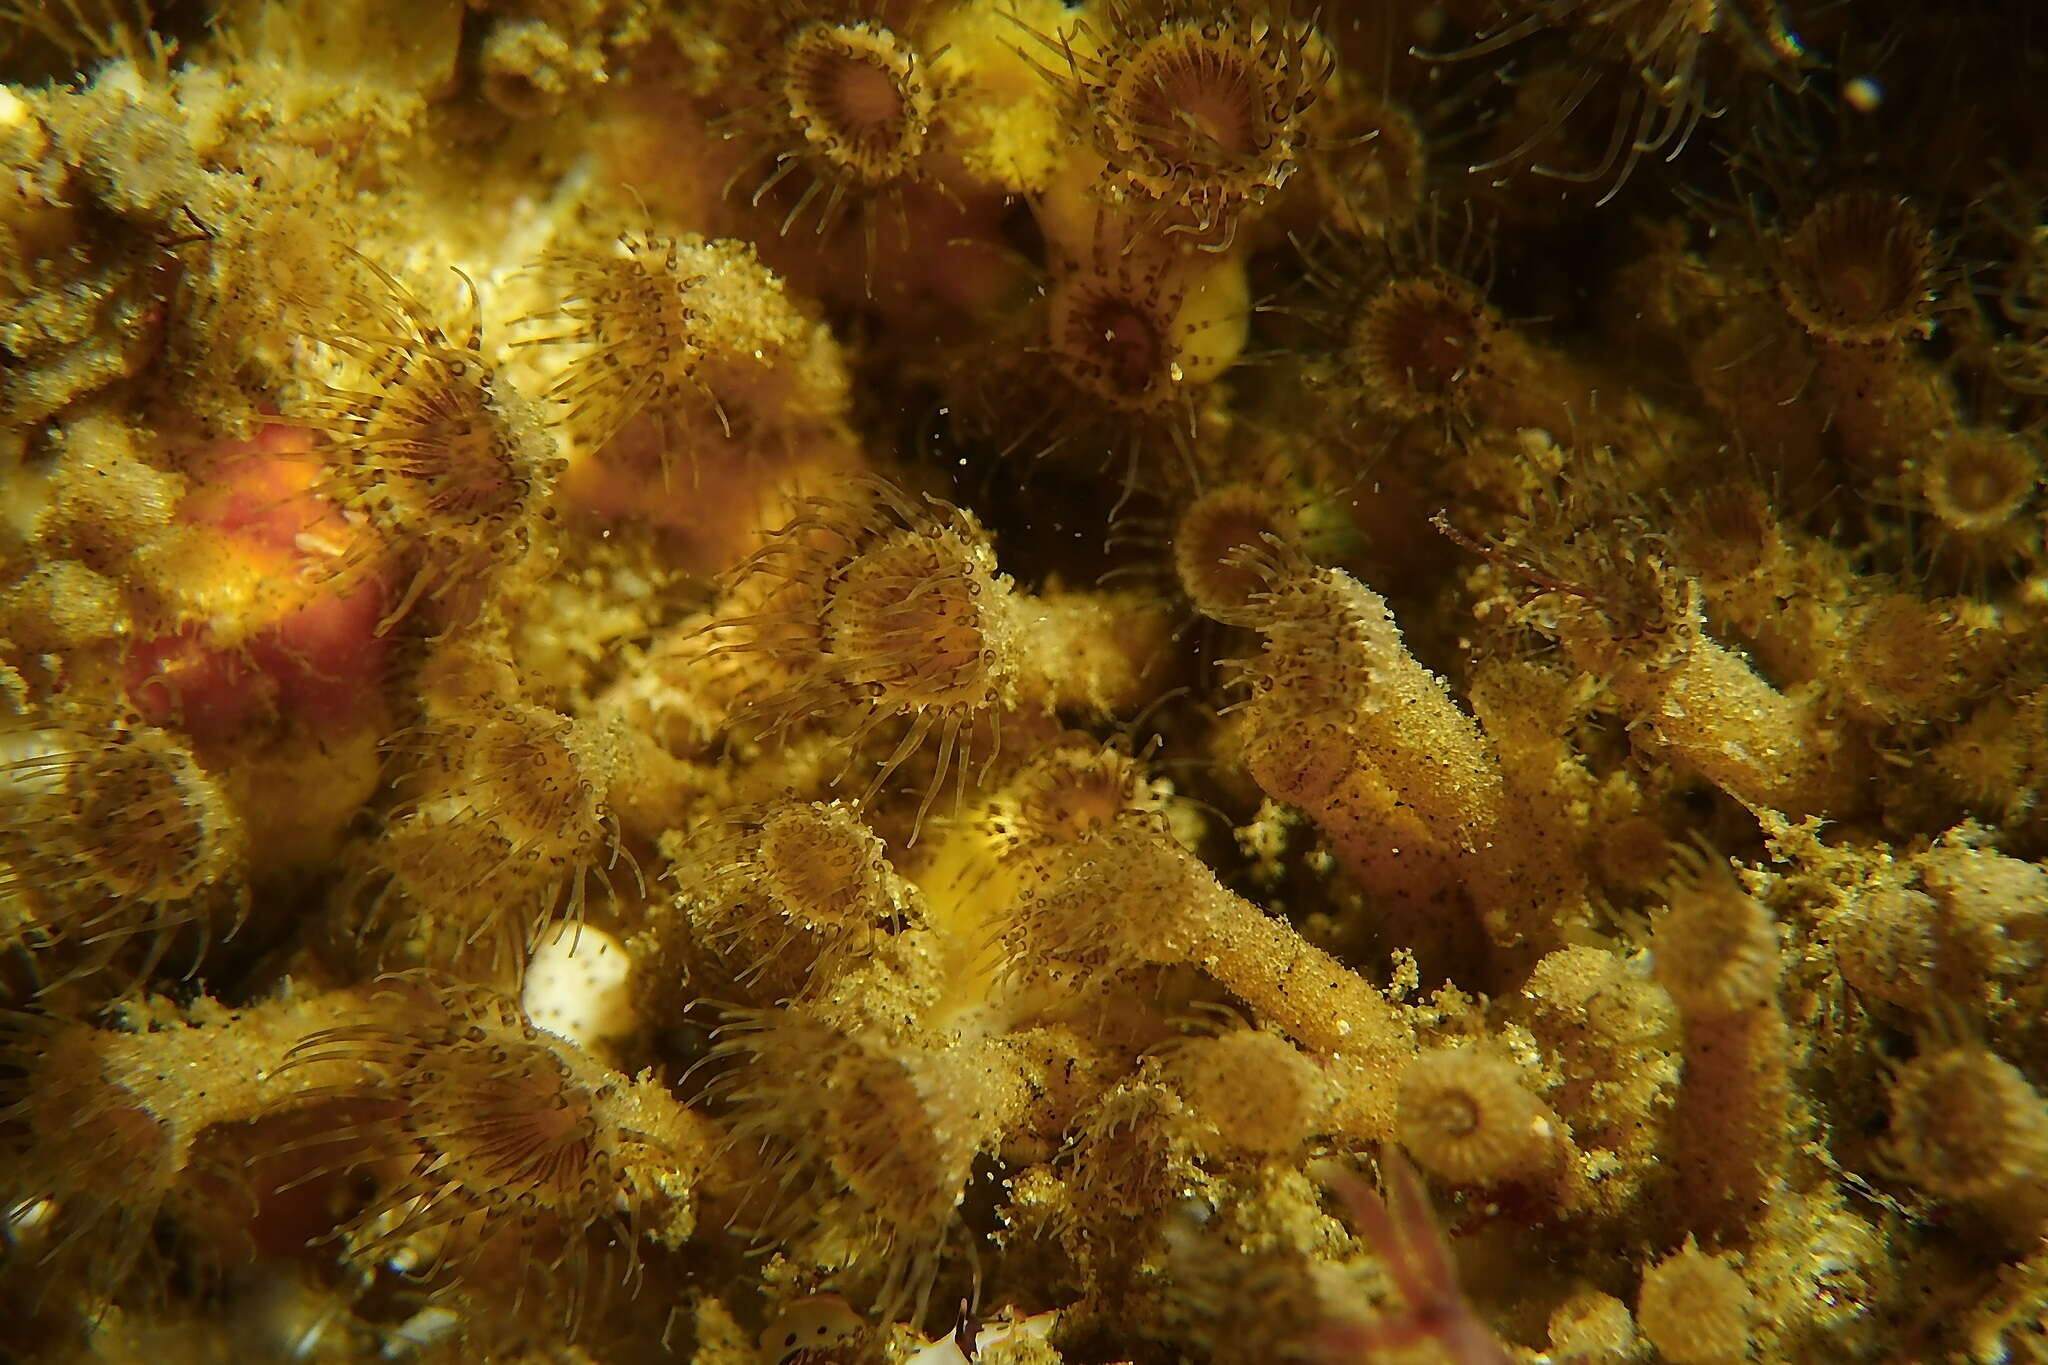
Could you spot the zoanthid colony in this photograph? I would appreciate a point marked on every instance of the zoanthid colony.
(1128, 681)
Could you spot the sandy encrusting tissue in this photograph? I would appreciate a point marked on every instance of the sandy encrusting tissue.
(847, 680)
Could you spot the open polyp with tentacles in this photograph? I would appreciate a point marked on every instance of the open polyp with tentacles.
(835, 102)
(111, 832)
(1195, 112)
(495, 1146)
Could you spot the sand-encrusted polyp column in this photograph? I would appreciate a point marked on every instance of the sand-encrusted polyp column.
(884, 616)
(108, 1123)
(1969, 1128)
(1712, 712)
(802, 888)
(1716, 951)
(1854, 274)
(1605, 1026)
(1696, 1309)
(486, 1139)
(1467, 1115)
(1641, 626)
(505, 824)
(1347, 724)
(1127, 896)
(879, 1132)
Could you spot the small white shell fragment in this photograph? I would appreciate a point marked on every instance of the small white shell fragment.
(579, 985)
(946, 1350)
(420, 1331)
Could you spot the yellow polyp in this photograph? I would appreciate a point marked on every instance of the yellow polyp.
(1214, 318)
(967, 884)
(1067, 208)
(1003, 118)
